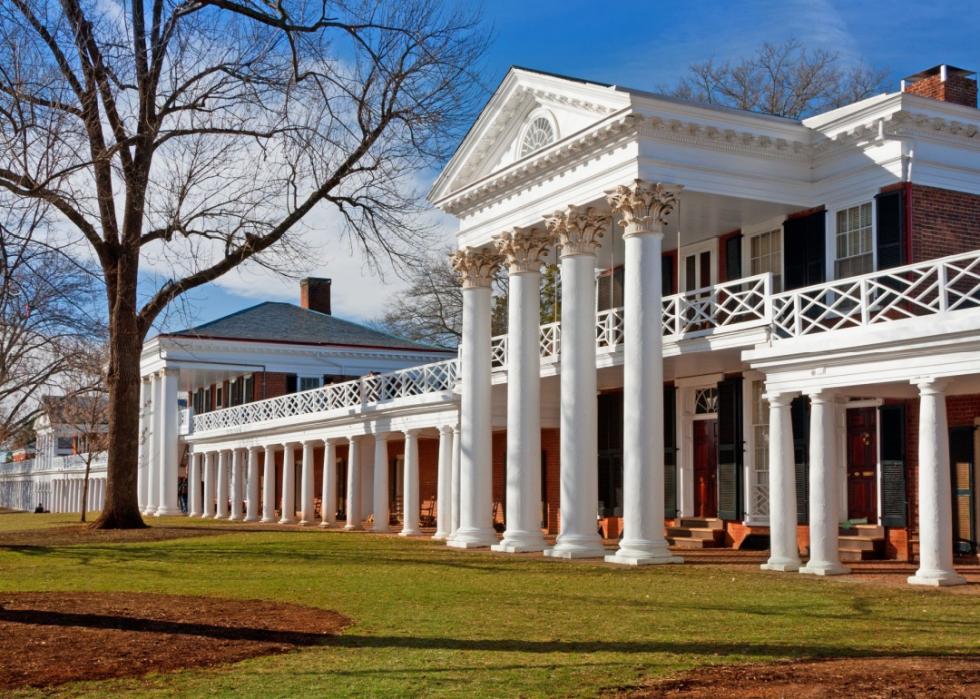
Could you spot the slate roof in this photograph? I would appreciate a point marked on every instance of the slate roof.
(283, 322)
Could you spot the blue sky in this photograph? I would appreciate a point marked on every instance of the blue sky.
(646, 45)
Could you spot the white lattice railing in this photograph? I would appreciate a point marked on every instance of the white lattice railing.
(549, 338)
(379, 388)
(922, 289)
(609, 329)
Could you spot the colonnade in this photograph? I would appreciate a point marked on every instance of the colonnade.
(577, 231)
(225, 483)
(158, 460)
(825, 506)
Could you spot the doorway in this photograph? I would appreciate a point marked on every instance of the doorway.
(862, 464)
(961, 456)
(706, 468)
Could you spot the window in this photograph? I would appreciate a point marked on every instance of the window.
(308, 383)
(218, 393)
(538, 134)
(706, 401)
(64, 443)
(854, 244)
(248, 384)
(759, 500)
(766, 255)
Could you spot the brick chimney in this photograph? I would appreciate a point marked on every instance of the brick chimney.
(314, 293)
(944, 83)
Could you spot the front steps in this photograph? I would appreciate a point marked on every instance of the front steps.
(861, 542)
(697, 533)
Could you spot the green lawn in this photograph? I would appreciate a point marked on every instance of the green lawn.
(435, 622)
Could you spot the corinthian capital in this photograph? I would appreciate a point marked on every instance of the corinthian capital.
(642, 206)
(476, 266)
(578, 229)
(523, 248)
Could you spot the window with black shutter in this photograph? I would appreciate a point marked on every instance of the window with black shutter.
(730, 449)
(667, 266)
(894, 498)
(292, 383)
(890, 229)
(248, 389)
(804, 248)
(670, 452)
(733, 257)
(800, 416)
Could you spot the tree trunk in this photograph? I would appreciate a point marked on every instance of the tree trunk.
(121, 508)
(88, 467)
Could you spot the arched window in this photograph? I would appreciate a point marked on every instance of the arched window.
(539, 133)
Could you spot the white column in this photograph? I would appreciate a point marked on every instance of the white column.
(381, 505)
(237, 481)
(306, 498)
(142, 475)
(522, 250)
(935, 490)
(328, 488)
(252, 505)
(288, 500)
(643, 209)
(153, 446)
(168, 445)
(784, 554)
(579, 232)
(269, 484)
(207, 511)
(353, 484)
(410, 487)
(824, 502)
(194, 486)
(221, 486)
(454, 492)
(444, 485)
(476, 468)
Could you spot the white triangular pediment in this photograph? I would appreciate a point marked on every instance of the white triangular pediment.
(494, 142)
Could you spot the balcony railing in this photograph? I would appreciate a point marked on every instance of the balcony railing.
(916, 290)
(376, 389)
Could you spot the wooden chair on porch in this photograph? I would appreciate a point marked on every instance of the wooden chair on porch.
(427, 513)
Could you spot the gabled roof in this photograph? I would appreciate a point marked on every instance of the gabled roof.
(285, 323)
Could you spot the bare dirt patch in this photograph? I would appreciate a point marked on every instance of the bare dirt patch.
(48, 638)
(870, 678)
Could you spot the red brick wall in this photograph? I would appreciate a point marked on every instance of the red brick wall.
(958, 89)
(499, 488)
(550, 446)
(269, 384)
(943, 222)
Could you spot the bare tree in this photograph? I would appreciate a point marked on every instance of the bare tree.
(781, 79)
(197, 135)
(84, 409)
(48, 310)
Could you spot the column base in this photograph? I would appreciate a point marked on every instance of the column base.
(473, 539)
(440, 536)
(520, 542)
(287, 520)
(936, 578)
(409, 532)
(221, 515)
(233, 518)
(167, 512)
(192, 514)
(267, 520)
(306, 523)
(781, 565)
(251, 519)
(824, 569)
(632, 558)
(327, 525)
(352, 527)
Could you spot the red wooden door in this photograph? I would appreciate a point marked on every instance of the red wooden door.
(705, 468)
(862, 460)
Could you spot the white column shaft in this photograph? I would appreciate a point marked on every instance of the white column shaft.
(153, 447)
(454, 490)
(306, 504)
(410, 487)
(168, 445)
(783, 552)
(209, 480)
(252, 504)
(237, 483)
(353, 485)
(142, 480)
(381, 506)
(288, 503)
(269, 485)
(328, 504)
(824, 505)
(577, 537)
(444, 485)
(194, 486)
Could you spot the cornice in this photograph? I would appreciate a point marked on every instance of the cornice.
(314, 351)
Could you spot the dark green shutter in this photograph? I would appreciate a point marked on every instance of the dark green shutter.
(804, 245)
(894, 497)
(667, 274)
(890, 229)
(670, 452)
(291, 383)
(730, 449)
(733, 257)
(800, 414)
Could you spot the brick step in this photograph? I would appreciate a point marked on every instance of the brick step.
(862, 543)
(693, 533)
(872, 531)
(701, 523)
(853, 554)
(683, 542)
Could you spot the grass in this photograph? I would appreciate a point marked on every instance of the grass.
(435, 622)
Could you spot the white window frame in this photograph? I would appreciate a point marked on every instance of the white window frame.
(831, 231)
(756, 229)
(538, 113)
(301, 379)
(710, 246)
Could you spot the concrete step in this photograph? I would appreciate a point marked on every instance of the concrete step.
(861, 543)
(701, 523)
(683, 542)
(872, 531)
(854, 554)
(693, 533)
